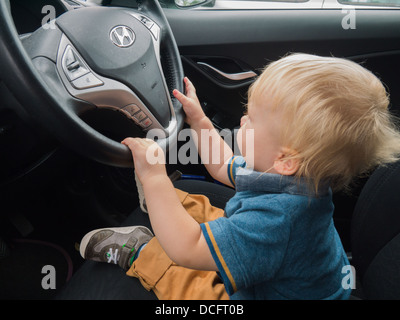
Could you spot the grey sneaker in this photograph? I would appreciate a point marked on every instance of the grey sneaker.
(114, 245)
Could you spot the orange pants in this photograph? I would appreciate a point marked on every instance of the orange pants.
(169, 281)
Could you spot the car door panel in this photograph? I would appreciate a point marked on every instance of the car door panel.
(250, 39)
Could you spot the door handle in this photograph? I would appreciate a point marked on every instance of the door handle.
(231, 76)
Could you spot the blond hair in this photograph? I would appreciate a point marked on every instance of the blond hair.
(335, 116)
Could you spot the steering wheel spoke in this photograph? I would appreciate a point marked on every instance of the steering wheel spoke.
(85, 84)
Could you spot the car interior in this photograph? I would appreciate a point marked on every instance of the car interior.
(69, 96)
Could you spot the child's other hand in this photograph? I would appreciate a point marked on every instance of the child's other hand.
(191, 105)
(148, 157)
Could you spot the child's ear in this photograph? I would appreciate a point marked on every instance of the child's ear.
(285, 164)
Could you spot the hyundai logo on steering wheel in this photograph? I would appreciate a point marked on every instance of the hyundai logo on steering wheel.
(122, 36)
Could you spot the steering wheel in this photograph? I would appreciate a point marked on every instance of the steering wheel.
(122, 59)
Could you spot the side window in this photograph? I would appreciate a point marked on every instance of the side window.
(271, 4)
(268, 4)
(235, 4)
(389, 3)
(272, 0)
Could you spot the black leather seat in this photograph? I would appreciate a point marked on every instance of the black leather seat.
(375, 235)
(101, 281)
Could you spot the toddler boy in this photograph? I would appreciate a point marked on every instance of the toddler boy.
(314, 123)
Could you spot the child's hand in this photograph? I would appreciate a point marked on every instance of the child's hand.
(190, 102)
(148, 157)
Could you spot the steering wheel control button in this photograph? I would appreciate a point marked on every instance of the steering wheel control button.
(149, 24)
(73, 66)
(146, 123)
(69, 57)
(146, 21)
(155, 30)
(131, 109)
(139, 116)
(122, 36)
(87, 81)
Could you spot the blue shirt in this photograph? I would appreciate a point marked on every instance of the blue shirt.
(277, 241)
